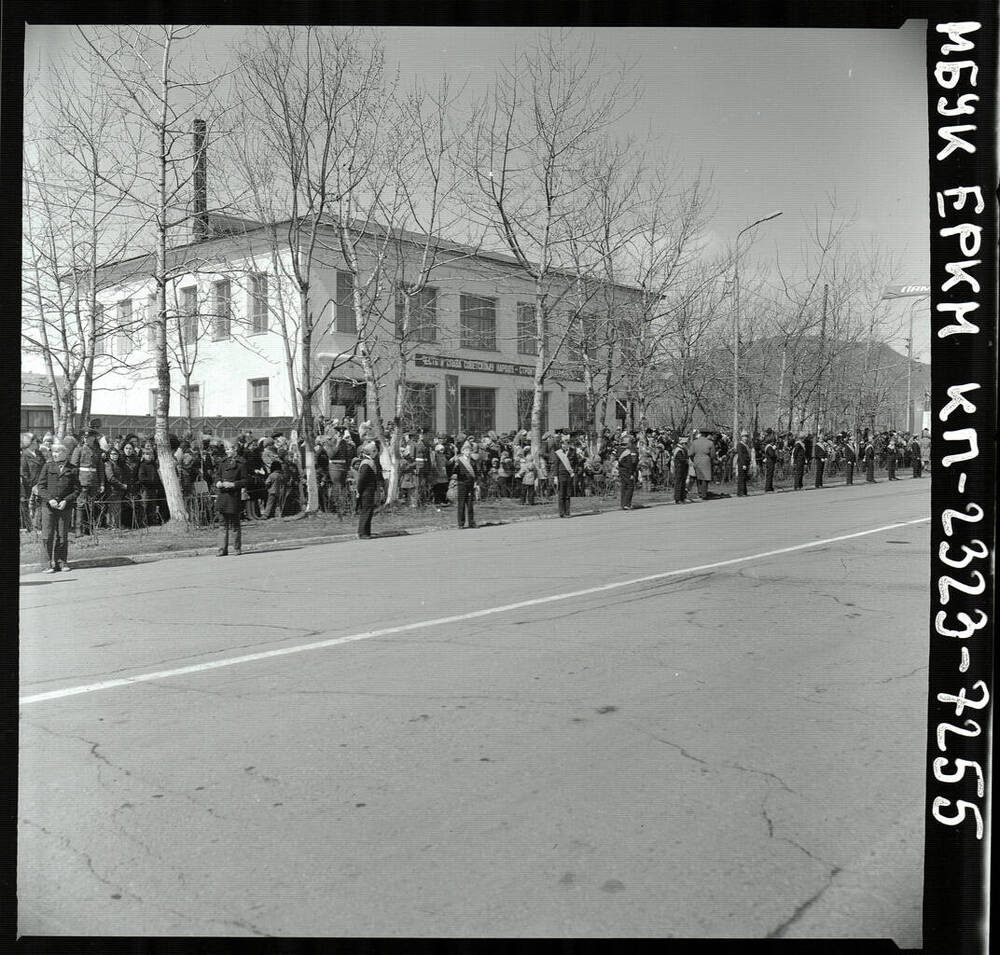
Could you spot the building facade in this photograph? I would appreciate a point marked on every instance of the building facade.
(469, 353)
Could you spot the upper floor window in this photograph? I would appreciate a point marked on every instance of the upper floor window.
(258, 304)
(221, 309)
(122, 343)
(478, 319)
(189, 314)
(423, 315)
(345, 319)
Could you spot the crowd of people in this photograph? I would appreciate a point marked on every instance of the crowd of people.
(83, 483)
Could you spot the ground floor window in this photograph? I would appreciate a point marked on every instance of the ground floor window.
(420, 404)
(578, 419)
(36, 419)
(154, 397)
(479, 410)
(524, 401)
(259, 397)
(345, 398)
(193, 402)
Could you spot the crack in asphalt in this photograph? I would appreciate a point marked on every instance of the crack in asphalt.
(65, 842)
(800, 910)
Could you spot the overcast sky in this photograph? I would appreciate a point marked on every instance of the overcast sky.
(781, 118)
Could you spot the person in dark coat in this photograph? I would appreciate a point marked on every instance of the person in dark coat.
(770, 460)
(90, 470)
(870, 462)
(31, 466)
(850, 458)
(679, 463)
(916, 456)
(798, 461)
(564, 462)
(341, 448)
(465, 484)
(628, 467)
(115, 486)
(149, 480)
(819, 456)
(891, 452)
(58, 488)
(742, 464)
(367, 485)
(230, 480)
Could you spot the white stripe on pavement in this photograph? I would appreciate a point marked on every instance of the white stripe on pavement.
(439, 621)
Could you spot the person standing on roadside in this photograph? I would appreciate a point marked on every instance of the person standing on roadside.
(742, 464)
(850, 458)
(819, 456)
(230, 480)
(564, 467)
(770, 459)
(679, 463)
(916, 456)
(58, 488)
(367, 485)
(465, 478)
(702, 457)
(870, 461)
(890, 456)
(798, 461)
(31, 466)
(628, 467)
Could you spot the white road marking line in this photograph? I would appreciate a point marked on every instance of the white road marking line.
(440, 621)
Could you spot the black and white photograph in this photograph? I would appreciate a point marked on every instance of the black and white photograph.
(476, 480)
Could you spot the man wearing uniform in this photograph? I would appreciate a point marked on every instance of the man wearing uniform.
(850, 457)
(421, 466)
(890, 456)
(564, 465)
(465, 477)
(90, 470)
(742, 464)
(679, 461)
(869, 457)
(628, 465)
(798, 460)
(819, 456)
(916, 456)
(770, 459)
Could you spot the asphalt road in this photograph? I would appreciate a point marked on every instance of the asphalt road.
(368, 739)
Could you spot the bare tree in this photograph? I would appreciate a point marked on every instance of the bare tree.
(156, 101)
(529, 159)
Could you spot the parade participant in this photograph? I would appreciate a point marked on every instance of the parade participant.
(890, 456)
(820, 454)
(850, 457)
(916, 456)
(58, 487)
(798, 461)
(367, 484)
(679, 464)
(465, 482)
(770, 459)
(628, 466)
(230, 480)
(564, 468)
(439, 474)
(702, 457)
(89, 464)
(742, 464)
(31, 466)
(869, 458)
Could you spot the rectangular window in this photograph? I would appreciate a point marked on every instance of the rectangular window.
(123, 336)
(479, 406)
(151, 316)
(524, 400)
(259, 397)
(189, 314)
(578, 420)
(346, 398)
(192, 400)
(423, 315)
(527, 329)
(345, 319)
(582, 339)
(258, 304)
(419, 407)
(222, 305)
(154, 396)
(478, 319)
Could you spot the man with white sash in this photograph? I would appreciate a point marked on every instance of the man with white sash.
(565, 471)
(465, 482)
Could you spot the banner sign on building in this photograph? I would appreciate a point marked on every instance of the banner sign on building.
(450, 403)
(493, 367)
(906, 291)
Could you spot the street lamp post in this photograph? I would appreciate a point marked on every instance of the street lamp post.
(736, 326)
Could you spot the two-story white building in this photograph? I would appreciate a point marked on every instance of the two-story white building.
(470, 352)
